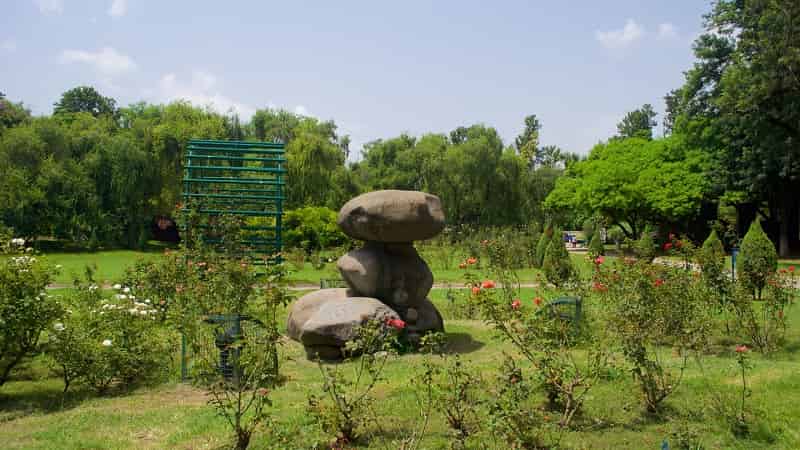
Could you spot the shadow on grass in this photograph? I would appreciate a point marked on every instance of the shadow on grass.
(462, 343)
(19, 400)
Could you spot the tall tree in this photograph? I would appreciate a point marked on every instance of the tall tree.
(743, 93)
(85, 99)
(527, 143)
(638, 123)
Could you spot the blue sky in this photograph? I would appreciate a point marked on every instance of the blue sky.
(377, 68)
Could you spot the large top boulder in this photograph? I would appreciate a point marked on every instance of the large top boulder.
(392, 216)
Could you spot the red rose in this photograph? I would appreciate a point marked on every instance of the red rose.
(397, 324)
(516, 304)
(476, 290)
(742, 349)
(791, 268)
(599, 260)
(658, 282)
(537, 301)
(471, 260)
(487, 284)
(667, 246)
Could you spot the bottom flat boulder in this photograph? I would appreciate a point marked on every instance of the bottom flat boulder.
(336, 321)
(307, 305)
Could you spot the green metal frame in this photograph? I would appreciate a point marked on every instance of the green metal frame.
(239, 178)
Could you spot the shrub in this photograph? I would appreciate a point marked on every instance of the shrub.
(312, 228)
(757, 260)
(26, 309)
(711, 259)
(763, 322)
(649, 306)
(546, 340)
(243, 396)
(645, 247)
(115, 341)
(346, 409)
(596, 245)
(557, 265)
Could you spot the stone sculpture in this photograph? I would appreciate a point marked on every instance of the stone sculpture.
(387, 278)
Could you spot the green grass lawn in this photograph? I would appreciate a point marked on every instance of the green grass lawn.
(110, 267)
(33, 414)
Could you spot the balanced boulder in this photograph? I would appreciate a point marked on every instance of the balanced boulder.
(392, 216)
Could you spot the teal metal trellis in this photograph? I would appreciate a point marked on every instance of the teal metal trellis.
(242, 179)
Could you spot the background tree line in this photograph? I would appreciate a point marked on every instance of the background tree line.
(94, 172)
(97, 174)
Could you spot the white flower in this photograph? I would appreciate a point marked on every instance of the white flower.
(117, 286)
(59, 266)
(92, 287)
(18, 242)
(58, 326)
(29, 249)
(147, 301)
(126, 290)
(120, 296)
(142, 313)
(107, 343)
(133, 310)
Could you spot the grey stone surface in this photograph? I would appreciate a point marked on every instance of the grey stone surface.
(428, 318)
(393, 273)
(304, 307)
(336, 321)
(392, 216)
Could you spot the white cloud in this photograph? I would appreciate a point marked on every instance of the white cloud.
(9, 45)
(106, 61)
(622, 37)
(50, 6)
(200, 91)
(118, 8)
(667, 31)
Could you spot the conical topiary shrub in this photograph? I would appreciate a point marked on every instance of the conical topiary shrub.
(758, 260)
(541, 246)
(645, 248)
(711, 259)
(596, 245)
(557, 265)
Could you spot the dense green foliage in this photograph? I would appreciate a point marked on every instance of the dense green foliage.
(739, 102)
(757, 259)
(97, 174)
(634, 182)
(312, 228)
